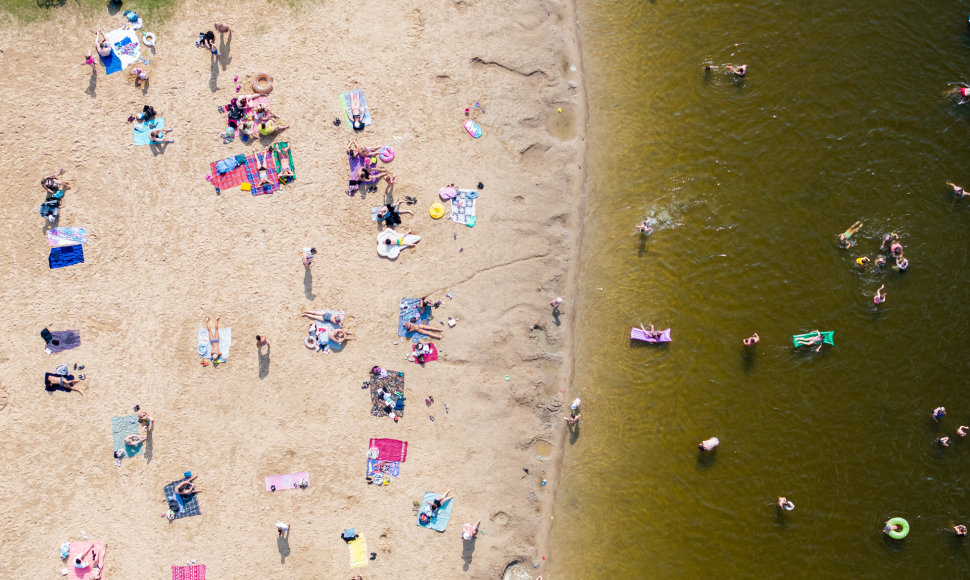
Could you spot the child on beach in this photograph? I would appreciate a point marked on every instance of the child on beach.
(89, 60)
(223, 29)
(556, 303)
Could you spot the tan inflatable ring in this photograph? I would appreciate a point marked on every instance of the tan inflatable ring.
(263, 83)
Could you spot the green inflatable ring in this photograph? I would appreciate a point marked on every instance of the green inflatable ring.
(896, 534)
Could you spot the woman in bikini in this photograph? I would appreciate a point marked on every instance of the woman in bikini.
(216, 354)
(134, 440)
(423, 329)
(810, 341)
(263, 175)
(97, 561)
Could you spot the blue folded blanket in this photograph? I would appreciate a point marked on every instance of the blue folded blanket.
(226, 165)
(66, 256)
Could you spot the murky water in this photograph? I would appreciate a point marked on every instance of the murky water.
(841, 118)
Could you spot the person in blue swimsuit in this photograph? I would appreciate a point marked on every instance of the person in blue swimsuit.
(216, 354)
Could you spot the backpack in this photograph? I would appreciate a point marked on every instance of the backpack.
(46, 335)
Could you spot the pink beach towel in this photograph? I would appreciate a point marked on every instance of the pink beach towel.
(188, 572)
(286, 481)
(251, 106)
(78, 548)
(390, 449)
(428, 357)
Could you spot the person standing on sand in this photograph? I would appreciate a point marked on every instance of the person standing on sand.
(223, 29)
(282, 528)
(89, 60)
(308, 254)
(572, 419)
(556, 303)
(262, 341)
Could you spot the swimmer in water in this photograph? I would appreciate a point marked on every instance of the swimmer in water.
(786, 505)
(960, 530)
(845, 238)
(896, 248)
(938, 413)
(962, 430)
(963, 92)
(943, 441)
(887, 240)
(752, 340)
(880, 296)
(957, 190)
(862, 261)
(739, 71)
(708, 444)
(881, 261)
(642, 228)
(902, 263)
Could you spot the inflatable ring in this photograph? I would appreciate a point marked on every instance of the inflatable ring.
(310, 342)
(148, 38)
(472, 194)
(436, 210)
(896, 534)
(263, 83)
(386, 154)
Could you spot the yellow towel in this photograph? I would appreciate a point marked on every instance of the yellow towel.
(358, 552)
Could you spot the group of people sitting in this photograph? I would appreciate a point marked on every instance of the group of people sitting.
(251, 119)
(365, 170)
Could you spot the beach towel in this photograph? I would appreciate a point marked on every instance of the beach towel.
(356, 164)
(384, 467)
(225, 341)
(125, 50)
(394, 381)
(64, 339)
(373, 213)
(63, 256)
(122, 427)
(390, 449)
(67, 236)
(188, 572)
(409, 311)
(328, 326)
(286, 481)
(439, 522)
(78, 548)
(183, 506)
(141, 132)
(463, 207)
(227, 180)
(283, 157)
(251, 104)
(364, 109)
(252, 173)
(433, 356)
(358, 552)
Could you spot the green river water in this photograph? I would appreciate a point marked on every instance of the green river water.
(841, 117)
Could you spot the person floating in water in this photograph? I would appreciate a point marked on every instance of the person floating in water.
(738, 70)
(957, 190)
(943, 441)
(845, 238)
(960, 530)
(862, 261)
(938, 413)
(816, 338)
(962, 92)
(880, 261)
(709, 444)
(880, 296)
(786, 505)
(752, 340)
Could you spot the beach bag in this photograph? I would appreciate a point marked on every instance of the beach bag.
(46, 335)
(423, 518)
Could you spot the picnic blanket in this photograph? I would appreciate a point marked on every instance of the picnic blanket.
(385, 467)
(438, 522)
(251, 105)
(141, 132)
(364, 109)
(283, 156)
(63, 256)
(318, 326)
(286, 481)
(188, 572)
(62, 340)
(390, 449)
(409, 311)
(67, 236)
(125, 49)
(78, 548)
(433, 356)
(395, 384)
(225, 341)
(463, 207)
(183, 506)
(356, 163)
(358, 552)
(248, 172)
(122, 427)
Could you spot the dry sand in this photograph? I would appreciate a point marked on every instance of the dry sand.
(165, 251)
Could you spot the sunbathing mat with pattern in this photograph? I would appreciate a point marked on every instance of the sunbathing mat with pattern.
(393, 386)
(183, 506)
(247, 172)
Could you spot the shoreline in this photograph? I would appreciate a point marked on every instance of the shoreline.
(165, 252)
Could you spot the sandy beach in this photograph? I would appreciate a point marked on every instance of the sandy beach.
(165, 251)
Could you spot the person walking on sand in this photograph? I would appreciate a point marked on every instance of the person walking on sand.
(555, 304)
(308, 255)
(262, 341)
(470, 532)
(572, 419)
(282, 528)
(880, 296)
(752, 340)
(222, 28)
(89, 60)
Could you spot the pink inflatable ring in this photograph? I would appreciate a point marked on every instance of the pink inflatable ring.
(386, 154)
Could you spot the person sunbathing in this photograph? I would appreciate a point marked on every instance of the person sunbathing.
(52, 184)
(441, 500)
(97, 561)
(66, 383)
(216, 354)
(267, 128)
(324, 316)
(423, 329)
(390, 214)
(263, 174)
(134, 440)
(399, 241)
(101, 42)
(423, 306)
(187, 487)
(158, 135)
(652, 333)
(810, 341)
(360, 151)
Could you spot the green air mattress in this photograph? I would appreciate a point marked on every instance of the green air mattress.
(826, 337)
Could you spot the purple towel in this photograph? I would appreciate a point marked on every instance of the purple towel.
(356, 164)
(65, 339)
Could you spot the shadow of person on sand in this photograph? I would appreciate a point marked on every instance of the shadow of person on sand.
(92, 86)
(555, 317)
(149, 446)
(467, 551)
(214, 74)
(224, 57)
(573, 433)
(283, 545)
(263, 362)
(158, 148)
(308, 283)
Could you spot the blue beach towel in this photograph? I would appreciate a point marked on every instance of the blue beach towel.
(66, 256)
(439, 522)
(122, 427)
(141, 132)
(379, 466)
(112, 63)
(335, 346)
(364, 109)
(409, 310)
(225, 341)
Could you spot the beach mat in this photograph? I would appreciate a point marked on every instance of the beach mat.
(439, 522)
(358, 552)
(66, 236)
(286, 481)
(356, 162)
(66, 340)
(183, 506)
(409, 310)
(282, 157)
(364, 109)
(225, 341)
(122, 427)
(252, 104)
(827, 337)
(63, 256)
(125, 49)
(335, 346)
(75, 550)
(383, 467)
(196, 572)
(433, 356)
(141, 132)
(395, 383)
(251, 167)
(463, 208)
(390, 449)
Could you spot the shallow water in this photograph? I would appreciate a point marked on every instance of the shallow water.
(841, 118)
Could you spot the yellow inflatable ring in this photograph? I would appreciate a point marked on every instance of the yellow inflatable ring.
(263, 83)
(437, 210)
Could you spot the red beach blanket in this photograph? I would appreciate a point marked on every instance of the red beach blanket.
(433, 355)
(248, 171)
(390, 449)
(188, 572)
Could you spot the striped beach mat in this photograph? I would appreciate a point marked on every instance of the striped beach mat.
(188, 572)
